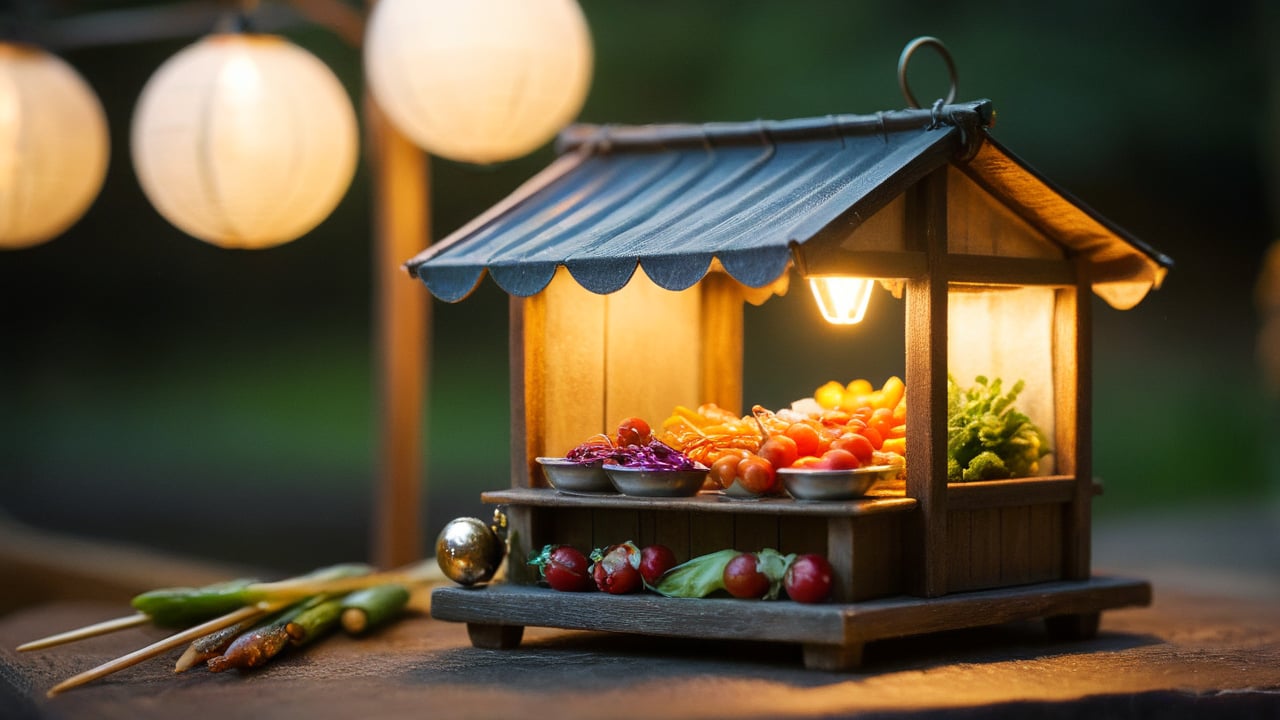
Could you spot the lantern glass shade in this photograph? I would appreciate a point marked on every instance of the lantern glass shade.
(53, 146)
(480, 81)
(842, 300)
(244, 140)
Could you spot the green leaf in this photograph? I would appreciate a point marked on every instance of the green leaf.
(699, 577)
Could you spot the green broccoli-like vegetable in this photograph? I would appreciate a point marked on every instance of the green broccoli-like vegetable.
(987, 438)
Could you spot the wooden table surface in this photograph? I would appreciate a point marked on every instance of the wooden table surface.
(1208, 647)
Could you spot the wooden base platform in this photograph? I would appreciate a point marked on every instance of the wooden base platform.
(832, 635)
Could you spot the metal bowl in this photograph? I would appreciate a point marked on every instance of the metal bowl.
(568, 476)
(656, 483)
(814, 484)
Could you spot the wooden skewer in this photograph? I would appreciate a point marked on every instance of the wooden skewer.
(425, 572)
(164, 645)
(88, 631)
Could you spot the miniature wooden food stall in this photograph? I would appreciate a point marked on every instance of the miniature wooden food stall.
(629, 261)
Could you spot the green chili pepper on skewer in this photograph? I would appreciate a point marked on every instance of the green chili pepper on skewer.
(313, 622)
(178, 606)
(184, 606)
(366, 609)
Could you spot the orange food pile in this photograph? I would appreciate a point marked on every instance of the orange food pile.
(840, 427)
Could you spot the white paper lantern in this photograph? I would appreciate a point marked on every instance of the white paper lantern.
(479, 80)
(244, 140)
(53, 146)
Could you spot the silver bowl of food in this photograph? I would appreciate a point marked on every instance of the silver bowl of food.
(569, 476)
(818, 484)
(656, 483)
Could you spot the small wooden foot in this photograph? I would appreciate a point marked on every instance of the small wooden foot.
(1077, 626)
(495, 637)
(833, 657)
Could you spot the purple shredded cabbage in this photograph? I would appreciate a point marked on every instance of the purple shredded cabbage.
(657, 455)
(592, 453)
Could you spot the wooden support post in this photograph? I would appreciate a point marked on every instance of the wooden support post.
(398, 172)
(927, 386)
(1073, 421)
(722, 324)
(528, 318)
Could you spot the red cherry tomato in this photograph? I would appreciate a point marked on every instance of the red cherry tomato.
(805, 437)
(808, 580)
(757, 475)
(563, 568)
(567, 569)
(780, 450)
(873, 435)
(742, 578)
(617, 569)
(857, 444)
(725, 469)
(839, 460)
(634, 431)
(655, 561)
(882, 420)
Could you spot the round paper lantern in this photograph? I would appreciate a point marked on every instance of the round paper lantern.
(482, 80)
(244, 140)
(53, 146)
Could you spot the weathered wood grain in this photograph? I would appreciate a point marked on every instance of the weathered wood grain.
(1015, 539)
(1073, 389)
(722, 341)
(1018, 491)
(926, 380)
(709, 532)
(755, 532)
(877, 556)
(784, 620)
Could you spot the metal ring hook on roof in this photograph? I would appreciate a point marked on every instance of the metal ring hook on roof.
(905, 59)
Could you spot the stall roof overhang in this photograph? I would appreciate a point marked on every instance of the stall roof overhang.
(672, 198)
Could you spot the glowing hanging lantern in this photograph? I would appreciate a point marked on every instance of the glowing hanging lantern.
(842, 300)
(479, 81)
(244, 140)
(53, 146)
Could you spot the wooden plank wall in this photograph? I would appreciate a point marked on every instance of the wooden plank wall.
(1002, 546)
(581, 363)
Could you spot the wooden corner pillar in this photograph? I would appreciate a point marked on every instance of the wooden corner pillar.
(401, 221)
(1073, 421)
(926, 343)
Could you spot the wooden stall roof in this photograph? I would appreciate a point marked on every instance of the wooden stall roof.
(672, 199)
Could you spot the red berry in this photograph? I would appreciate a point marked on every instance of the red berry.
(839, 460)
(567, 569)
(757, 475)
(780, 450)
(634, 431)
(617, 569)
(655, 561)
(809, 579)
(743, 580)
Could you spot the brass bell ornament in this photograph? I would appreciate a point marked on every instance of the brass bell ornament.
(469, 551)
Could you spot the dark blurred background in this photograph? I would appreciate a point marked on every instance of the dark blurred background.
(158, 390)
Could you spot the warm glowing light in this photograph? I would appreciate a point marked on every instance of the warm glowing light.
(479, 81)
(244, 141)
(53, 146)
(842, 300)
